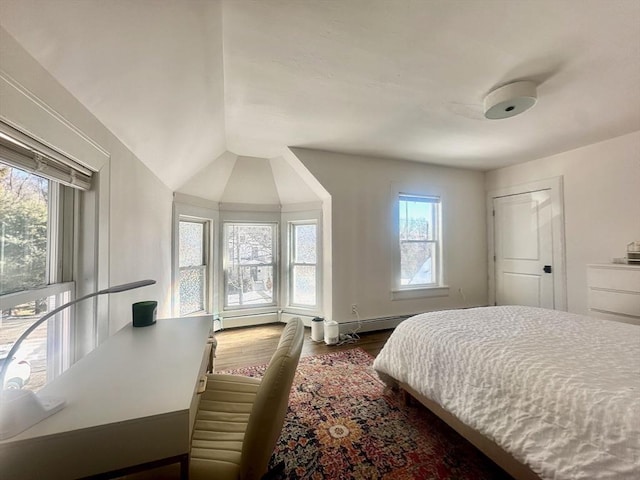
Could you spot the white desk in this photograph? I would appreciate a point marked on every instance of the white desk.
(131, 401)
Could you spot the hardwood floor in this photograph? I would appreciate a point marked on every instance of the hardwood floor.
(243, 347)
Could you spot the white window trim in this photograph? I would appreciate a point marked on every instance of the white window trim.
(61, 267)
(11, 300)
(190, 208)
(244, 310)
(438, 289)
(59, 327)
(73, 158)
(245, 214)
(303, 216)
(207, 231)
(291, 264)
(420, 292)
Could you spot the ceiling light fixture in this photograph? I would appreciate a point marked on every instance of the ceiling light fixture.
(510, 100)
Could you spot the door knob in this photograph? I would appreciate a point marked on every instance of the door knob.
(547, 269)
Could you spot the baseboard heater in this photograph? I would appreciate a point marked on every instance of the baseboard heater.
(380, 323)
(373, 324)
(248, 320)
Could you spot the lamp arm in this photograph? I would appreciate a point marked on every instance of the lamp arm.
(40, 321)
(33, 326)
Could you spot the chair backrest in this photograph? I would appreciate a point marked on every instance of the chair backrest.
(271, 402)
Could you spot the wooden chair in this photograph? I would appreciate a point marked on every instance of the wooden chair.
(240, 419)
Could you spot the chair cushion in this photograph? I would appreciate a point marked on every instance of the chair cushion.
(221, 422)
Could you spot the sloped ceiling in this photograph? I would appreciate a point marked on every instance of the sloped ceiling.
(181, 82)
(150, 71)
(248, 180)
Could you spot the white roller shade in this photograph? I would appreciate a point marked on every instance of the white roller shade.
(27, 154)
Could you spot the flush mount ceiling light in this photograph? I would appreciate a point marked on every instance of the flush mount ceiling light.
(510, 100)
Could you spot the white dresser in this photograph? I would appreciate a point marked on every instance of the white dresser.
(614, 292)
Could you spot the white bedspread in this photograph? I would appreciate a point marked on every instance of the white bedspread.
(560, 392)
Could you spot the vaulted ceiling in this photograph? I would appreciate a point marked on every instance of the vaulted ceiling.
(183, 83)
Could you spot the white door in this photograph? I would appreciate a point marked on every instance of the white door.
(523, 238)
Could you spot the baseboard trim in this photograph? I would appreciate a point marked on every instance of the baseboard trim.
(364, 325)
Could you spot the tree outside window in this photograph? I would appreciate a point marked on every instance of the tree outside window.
(24, 214)
(29, 286)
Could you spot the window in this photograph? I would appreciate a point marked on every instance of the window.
(303, 264)
(419, 237)
(249, 264)
(193, 255)
(36, 245)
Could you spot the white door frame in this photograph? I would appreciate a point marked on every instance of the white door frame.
(555, 187)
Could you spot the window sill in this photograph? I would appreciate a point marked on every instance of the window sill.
(421, 292)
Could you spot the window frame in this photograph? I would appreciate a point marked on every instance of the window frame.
(191, 208)
(438, 287)
(58, 286)
(275, 265)
(206, 264)
(292, 264)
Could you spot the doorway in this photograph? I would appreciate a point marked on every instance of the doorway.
(526, 257)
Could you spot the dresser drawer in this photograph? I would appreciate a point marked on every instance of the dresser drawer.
(614, 317)
(615, 302)
(614, 278)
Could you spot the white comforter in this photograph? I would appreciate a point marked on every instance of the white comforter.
(560, 392)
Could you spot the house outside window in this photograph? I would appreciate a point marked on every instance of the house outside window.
(419, 241)
(250, 264)
(36, 261)
(303, 268)
(193, 264)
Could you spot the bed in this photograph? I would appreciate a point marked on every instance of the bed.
(545, 394)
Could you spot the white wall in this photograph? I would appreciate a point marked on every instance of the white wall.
(361, 225)
(601, 203)
(140, 236)
(133, 237)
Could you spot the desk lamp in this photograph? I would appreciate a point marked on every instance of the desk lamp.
(20, 409)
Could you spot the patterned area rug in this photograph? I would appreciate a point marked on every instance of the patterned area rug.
(343, 424)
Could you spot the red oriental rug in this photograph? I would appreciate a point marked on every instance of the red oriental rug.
(343, 424)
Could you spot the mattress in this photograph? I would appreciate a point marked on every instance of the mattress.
(560, 392)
